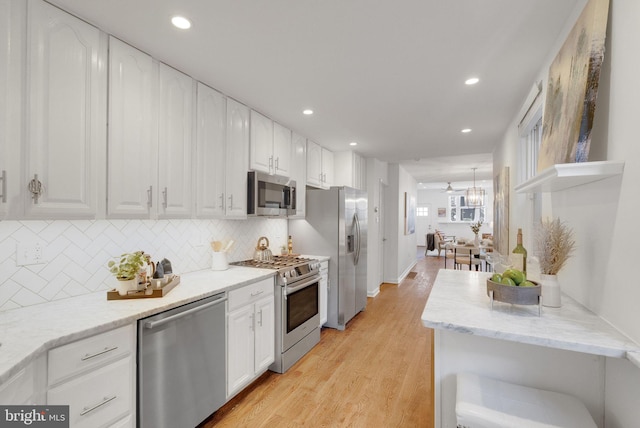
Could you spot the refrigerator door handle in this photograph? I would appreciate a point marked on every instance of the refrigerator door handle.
(356, 256)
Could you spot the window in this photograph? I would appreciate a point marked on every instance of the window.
(422, 211)
(459, 212)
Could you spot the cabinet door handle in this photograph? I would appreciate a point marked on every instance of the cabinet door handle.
(270, 163)
(277, 163)
(164, 198)
(150, 197)
(222, 201)
(104, 351)
(260, 322)
(3, 178)
(256, 293)
(102, 403)
(230, 202)
(35, 187)
(253, 318)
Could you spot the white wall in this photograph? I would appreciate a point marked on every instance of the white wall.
(401, 248)
(439, 199)
(601, 275)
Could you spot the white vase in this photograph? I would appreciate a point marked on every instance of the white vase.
(550, 290)
(476, 241)
(123, 287)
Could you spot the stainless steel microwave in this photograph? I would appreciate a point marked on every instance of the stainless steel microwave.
(270, 195)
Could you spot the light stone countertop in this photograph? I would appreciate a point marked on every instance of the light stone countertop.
(27, 333)
(459, 302)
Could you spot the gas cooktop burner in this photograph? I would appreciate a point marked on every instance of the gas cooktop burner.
(278, 262)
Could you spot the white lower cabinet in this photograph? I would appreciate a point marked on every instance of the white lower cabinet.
(250, 334)
(96, 378)
(324, 291)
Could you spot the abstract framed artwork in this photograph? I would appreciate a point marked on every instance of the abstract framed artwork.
(501, 211)
(572, 89)
(409, 214)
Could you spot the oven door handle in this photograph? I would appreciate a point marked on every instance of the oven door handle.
(290, 290)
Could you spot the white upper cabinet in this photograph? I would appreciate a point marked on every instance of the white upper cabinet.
(237, 156)
(133, 132)
(65, 149)
(12, 22)
(261, 155)
(299, 172)
(175, 143)
(319, 166)
(281, 150)
(314, 164)
(210, 152)
(350, 170)
(270, 146)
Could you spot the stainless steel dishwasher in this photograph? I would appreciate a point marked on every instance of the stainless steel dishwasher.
(182, 364)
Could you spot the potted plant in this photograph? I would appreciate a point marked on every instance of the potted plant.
(126, 270)
(475, 228)
(554, 244)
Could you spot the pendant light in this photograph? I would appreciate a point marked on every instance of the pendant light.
(449, 189)
(475, 195)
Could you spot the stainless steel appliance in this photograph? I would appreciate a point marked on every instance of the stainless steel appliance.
(182, 364)
(297, 307)
(270, 195)
(336, 226)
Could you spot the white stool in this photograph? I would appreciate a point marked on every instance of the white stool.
(487, 403)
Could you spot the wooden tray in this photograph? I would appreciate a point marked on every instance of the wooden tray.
(147, 293)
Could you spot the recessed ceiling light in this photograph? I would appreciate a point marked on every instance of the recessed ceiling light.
(466, 130)
(353, 143)
(181, 22)
(471, 81)
(307, 111)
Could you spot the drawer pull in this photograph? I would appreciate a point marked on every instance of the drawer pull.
(104, 351)
(102, 403)
(257, 293)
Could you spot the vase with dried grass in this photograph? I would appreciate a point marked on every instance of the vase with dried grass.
(554, 244)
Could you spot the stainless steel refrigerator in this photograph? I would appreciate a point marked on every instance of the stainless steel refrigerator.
(336, 226)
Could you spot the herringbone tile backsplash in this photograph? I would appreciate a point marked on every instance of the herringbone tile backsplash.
(77, 252)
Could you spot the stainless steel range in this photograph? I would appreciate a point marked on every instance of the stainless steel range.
(297, 309)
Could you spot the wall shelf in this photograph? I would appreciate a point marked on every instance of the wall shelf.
(566, 175)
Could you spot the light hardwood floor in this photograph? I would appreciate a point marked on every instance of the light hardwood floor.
(376, 373)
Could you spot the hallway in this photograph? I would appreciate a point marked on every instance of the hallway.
(378, 372)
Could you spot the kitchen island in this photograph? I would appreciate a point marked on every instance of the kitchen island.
(564, 349)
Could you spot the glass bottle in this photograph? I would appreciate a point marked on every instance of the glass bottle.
(290, 245)
(520, 259)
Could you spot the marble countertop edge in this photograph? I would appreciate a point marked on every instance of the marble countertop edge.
(458, 303)
(27, 333)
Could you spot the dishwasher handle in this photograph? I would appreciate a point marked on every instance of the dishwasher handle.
(153, 324)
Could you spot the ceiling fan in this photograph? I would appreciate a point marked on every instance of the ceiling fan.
(450, 189)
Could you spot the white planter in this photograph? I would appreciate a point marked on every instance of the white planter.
(123, 287)
(550, 291)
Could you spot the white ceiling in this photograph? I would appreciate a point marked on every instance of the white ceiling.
(387, 74)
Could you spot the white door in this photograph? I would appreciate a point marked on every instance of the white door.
(423, 216)
(261, 154)
(265, 334)
(210, 152)
(12, 23)
(381, 234)
(237, 155)
(281, 150)
(175, 133)
(133, 132)
(66, 123)
(240, 348)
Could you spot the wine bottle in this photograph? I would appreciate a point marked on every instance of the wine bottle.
(520, 259)
(290, 245)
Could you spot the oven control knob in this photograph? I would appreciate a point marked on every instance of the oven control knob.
(293, 273)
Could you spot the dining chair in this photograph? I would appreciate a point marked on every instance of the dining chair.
(467, 256)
